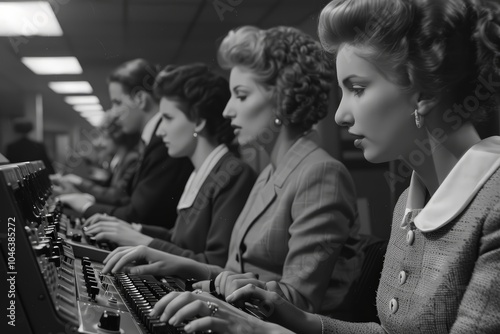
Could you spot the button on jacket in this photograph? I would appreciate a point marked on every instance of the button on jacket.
(453, 264)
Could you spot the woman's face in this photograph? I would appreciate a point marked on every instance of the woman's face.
(375, 110)
(250, 108)
(176, 129)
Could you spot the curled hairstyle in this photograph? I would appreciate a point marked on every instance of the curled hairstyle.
(201, 94)
(289, 63)
(442, 48)
(135, 75)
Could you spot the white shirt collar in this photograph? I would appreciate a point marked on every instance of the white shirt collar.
(197, 179)
(149, 128)
(458, 188)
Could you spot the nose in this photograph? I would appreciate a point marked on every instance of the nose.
(229, 110)
(117, 112)
(343, 116)
(161, 129)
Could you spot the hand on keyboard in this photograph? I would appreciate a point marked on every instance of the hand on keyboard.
(118, 232)
(204, 312)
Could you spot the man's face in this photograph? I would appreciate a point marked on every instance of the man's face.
(130, 116)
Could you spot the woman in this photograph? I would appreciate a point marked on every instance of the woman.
(409, 85)
(298, 229)
(192, 99)
(157, 184)
(123, 149)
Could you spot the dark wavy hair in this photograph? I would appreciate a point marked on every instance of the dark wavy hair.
(289, 63)
(201, 94)
(443, 48)
(135, 75)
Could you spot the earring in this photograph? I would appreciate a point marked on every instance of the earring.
(195, 134)
(419, 119)
(277, 121)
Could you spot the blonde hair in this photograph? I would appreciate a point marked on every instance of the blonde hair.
(289, 63)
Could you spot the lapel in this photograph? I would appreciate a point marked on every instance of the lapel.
(264, 191)
(155, 140)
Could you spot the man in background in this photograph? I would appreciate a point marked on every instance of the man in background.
(25, 149)
(159, 181)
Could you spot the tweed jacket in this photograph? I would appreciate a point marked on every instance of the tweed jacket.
(202, 231)
(299, 228)
(116, 192)
(154, 191)
(442, 267)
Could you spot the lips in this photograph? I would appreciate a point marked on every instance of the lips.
(356, 136)
(358, 143)
(236, 129)
(358, 140)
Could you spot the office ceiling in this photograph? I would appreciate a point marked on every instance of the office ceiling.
(104, 33)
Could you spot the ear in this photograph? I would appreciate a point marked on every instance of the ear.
(200, 125)
(140, 99)
(426, 103)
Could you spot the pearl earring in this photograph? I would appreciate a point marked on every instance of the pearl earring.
(277, 121)
(195, 134)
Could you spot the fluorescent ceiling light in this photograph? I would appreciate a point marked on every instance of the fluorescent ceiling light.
(89, 99)
(95, 120)
(91, 113)
(88, 107)
(71, 87)
(53, 65)
(28, 18)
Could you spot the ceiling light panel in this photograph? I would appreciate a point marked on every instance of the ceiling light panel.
(88, 107)
(71, 87)
(28, 18)
(89, 99)
(53, 65)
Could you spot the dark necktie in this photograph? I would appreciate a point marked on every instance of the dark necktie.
(135, 179)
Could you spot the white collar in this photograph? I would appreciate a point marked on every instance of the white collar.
(197, 179)
(149, 128)
(458, 188)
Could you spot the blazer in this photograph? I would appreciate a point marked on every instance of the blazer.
(299, 228)
(202, 232)
(156, 189)
(441, 269)
(116, 192)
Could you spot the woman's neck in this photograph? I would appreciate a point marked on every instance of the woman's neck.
(282, 143)
(203, 149)
(445, 155)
